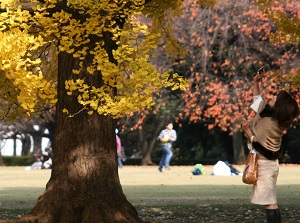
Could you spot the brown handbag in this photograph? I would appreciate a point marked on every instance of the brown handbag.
(250, 171)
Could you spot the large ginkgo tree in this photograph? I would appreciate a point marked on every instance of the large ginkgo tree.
(102, 51)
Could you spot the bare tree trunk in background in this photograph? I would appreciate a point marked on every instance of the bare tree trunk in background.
(238, 148)
(2, 144)
(26, 144)
(1, 159)
(15, 145)
(147, 150)
(37, 136)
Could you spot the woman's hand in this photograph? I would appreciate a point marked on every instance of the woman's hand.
(259, 74)
(245, 125)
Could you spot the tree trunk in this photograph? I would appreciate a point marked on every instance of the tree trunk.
(147, 150)
(15, 145)
(1, 159)
(37, 136)
(147, 160)
(238, 148)
(26, 144)
(84, 185)
(51, 128)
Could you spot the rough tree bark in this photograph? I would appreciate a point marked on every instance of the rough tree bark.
(84, 185)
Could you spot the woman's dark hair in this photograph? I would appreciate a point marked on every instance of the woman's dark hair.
(285, 109)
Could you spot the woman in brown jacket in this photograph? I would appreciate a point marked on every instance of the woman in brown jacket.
(264, 134)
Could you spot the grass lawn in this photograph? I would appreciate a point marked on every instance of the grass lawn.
(173, 196)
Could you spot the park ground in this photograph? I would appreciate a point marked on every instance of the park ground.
(173, 196)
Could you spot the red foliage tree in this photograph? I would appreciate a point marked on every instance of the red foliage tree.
(226, 45)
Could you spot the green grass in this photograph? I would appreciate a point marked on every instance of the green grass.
(172, 196)
(208, 203)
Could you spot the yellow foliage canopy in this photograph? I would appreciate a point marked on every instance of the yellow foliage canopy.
(77, 27)
(288, 23)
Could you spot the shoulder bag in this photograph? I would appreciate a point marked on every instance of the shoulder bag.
(250, 171)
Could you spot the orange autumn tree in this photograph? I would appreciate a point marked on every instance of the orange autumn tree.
(225, 48)
(103, 72)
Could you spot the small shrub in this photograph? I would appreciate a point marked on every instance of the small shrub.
(18, 160)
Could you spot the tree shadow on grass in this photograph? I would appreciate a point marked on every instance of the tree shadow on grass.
(214, 214)
(208, 203)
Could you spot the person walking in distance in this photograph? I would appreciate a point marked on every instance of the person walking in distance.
(166, 137)
(264, 133)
